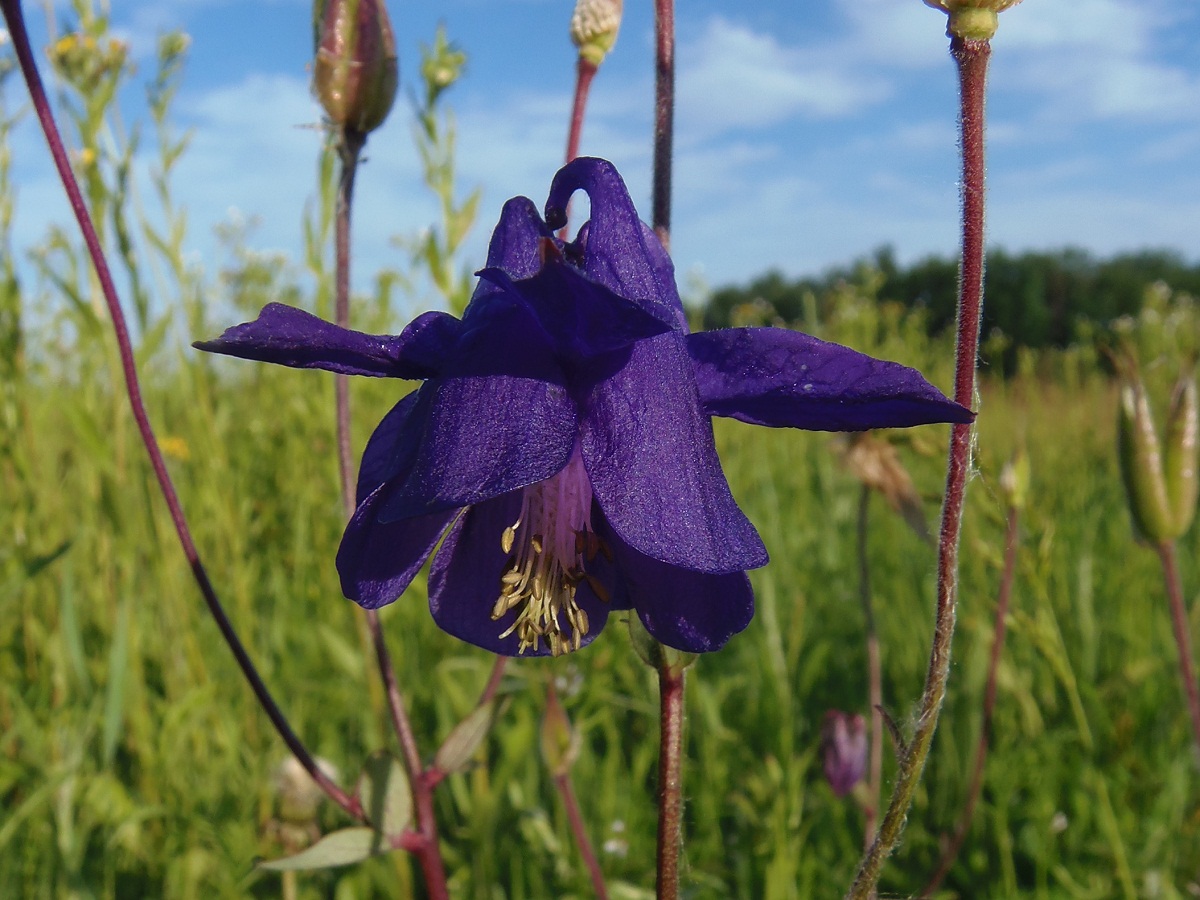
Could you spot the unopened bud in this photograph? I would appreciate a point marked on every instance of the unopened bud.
(972, 20)
(1142, 466)
(594, 27)
(355, 75)
(844, 743)
(299, 795)
(1180, 454)
(1014, 481)
(560, 742)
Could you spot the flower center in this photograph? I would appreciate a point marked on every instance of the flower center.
(548, 545)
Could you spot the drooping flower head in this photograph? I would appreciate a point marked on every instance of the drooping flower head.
(560, 445)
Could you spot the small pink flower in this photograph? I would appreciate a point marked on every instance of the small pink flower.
(844, 742)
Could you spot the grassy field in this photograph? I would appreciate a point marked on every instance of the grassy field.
(135, 763)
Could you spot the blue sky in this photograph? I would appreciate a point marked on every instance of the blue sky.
(809, 133)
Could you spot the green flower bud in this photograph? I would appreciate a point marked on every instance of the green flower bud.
(299, 796)
(355, 75)
(1142, 466)
(972, 20)
(594, 27)
(1180, 460)
(1014, 481)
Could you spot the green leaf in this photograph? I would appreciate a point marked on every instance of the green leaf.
(338, 848)
(462, 742)
(385, 794)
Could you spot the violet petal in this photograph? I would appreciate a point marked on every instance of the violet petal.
(621, 253)
(384, 454)
(580, 317)
(782, 378)
(478, 437)
(292, 337)
(691, 611)
(377, 561)
(464, 582)
(649, 453)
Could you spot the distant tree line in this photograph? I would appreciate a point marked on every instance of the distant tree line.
(1036, 299)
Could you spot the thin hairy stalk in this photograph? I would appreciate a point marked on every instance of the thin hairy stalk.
(971, 57)
(1183, 640)
(426, 848)
(16, 27)
(585, 71)
(989, 704)
(664, 116)
(349, 150)
(670, 779)
(493, 682)
(579, 830)
(874, 671)
(561, 774)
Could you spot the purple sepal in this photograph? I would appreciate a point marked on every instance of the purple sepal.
(782, 378)
(292, 337)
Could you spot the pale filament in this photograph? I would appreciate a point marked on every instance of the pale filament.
(549, 545)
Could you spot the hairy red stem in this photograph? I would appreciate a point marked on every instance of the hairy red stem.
(426, 849)
(16, 27)
(1183, 640)
(874, 672)
(670, 779)
(971, 57)
(989, 706)
(664, 117)
(585, 71)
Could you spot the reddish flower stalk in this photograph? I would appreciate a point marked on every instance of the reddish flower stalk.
(670, 778)
(1183, 640)
(670, 678)
(579, 830)
(425, 848)
(560, 749)
(664, 117)
(874, 673)
(585, 71)
(971, 57)
(16, 27)
(989, 704)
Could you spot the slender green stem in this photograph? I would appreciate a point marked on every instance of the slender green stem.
(1183, 640)
(971, 58)
(670, 779)
(989, 704)
(426, 848)
(874, 671)
(16, 27)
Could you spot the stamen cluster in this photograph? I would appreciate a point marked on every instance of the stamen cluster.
(553, 542)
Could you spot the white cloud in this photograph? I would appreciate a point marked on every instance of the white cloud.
(733, 78)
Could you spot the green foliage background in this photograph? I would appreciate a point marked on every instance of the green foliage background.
(134, 762)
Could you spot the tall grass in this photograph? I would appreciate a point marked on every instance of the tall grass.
(134, 762)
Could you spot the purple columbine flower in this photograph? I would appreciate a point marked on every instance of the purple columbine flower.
(560, 446)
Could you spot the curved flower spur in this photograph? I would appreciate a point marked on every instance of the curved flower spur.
(560, 446)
